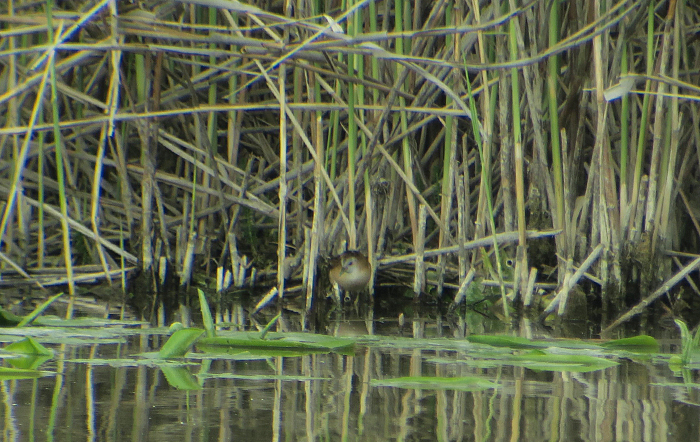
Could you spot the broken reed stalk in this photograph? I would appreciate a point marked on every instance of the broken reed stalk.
(644, 303)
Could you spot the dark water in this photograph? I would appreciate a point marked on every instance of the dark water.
(100, 393)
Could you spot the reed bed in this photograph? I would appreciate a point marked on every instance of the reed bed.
(534, 144)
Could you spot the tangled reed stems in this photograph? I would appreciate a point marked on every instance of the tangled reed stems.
(245, 140)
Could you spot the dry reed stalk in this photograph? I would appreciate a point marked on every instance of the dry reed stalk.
(662, 290)
(527, 295)
(571, 279)
(317, 221)
(419, 273)
(464, 286)
(462, 229)
(499, 238)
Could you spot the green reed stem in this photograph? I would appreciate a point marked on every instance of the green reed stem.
(60, 173)
(403, 121)
(449, 151)
(352, 134)
(641, 140)
(360, 70)
(374, 62)
(41, 238)
(553, 75)
(624, 149)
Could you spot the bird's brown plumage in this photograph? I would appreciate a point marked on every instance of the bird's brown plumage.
(351, 271)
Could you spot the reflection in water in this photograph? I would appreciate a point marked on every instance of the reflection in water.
(330, 397)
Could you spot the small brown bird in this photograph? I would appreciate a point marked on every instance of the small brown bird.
(351, 271)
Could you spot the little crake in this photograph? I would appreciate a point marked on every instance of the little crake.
(351, 271)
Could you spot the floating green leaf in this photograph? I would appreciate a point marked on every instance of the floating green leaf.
(542, 361)
(217, 352)
(467, 383)
(180, 378)
(506, 341)
(29, 362)
(246, 353)
(281, 341)
(7, 374)
(261, 377)
(180, 342)
(8, 319)
(55, 321)
(28, 346)
(641, 343)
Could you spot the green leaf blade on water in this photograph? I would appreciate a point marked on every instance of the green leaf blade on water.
(28, 346)
(29, 362)
(86, 322)
(180, 378)
(269, 325)
(261, 377)
(259, 353)
(514, 342)
(687, 344)
(179, 343)
(466, 383)
(206, 315)
(38, 311)
(639, 344)
(218, 352)
(7, 374)
(281, 341)
(542, 361)
(8, 319)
